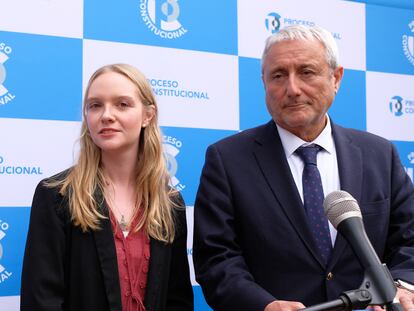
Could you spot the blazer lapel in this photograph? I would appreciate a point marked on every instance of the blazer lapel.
(350, 174)
(155, 274)
(274, 166)
(105, 246)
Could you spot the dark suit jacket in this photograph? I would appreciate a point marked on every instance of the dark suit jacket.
(252, 242)
(67, 269)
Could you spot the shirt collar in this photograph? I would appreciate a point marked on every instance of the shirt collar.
(292, 142)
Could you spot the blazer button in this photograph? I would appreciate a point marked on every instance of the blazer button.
(329, 276)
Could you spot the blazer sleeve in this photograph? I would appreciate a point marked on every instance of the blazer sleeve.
(180, 291)
(218, 258)
(399, 254)
(42, 284)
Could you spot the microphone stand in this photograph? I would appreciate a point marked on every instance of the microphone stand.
(353, 299)
(369, 293)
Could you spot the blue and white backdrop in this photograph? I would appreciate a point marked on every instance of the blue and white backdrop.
(202, 60)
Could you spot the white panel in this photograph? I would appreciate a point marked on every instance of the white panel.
(390, 122)
(30, 151)
(10, 303)
(213, 77)
(346, 20)
(47, 17)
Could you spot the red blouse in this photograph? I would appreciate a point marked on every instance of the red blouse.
(133, 254)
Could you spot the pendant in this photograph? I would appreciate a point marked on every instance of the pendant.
(123, 224)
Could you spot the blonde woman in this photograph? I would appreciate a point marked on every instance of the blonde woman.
(108, 233)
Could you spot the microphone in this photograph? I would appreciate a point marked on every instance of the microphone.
(343, 212)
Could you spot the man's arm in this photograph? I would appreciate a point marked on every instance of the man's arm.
(218, 258)
(399, 252)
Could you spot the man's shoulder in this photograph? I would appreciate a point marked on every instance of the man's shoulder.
(245, 137)
(362, 138)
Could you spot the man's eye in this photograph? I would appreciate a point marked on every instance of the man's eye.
(277, 76)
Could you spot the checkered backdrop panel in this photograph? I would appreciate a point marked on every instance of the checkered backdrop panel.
(202, 59)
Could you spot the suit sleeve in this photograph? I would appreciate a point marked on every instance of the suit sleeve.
(400, 243)
(180, 291)
(42, 284)
(218, 258)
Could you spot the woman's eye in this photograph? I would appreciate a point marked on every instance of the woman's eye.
(93, 106)
(123, 104)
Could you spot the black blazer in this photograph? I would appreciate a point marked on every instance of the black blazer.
(252, 242)
(67, 269)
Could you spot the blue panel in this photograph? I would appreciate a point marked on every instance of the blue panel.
(408, 4)
(349, 107)
(199, 25)
(14, 222)
(253, 109)
(390, 37)
(406, 151)
(199, 301)
(186, 160)
(43, 77)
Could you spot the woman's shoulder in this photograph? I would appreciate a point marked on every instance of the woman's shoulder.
(48, 191)
(58, 177)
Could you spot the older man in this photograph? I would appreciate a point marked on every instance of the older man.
(261, 241)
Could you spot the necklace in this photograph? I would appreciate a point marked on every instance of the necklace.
(123, 224)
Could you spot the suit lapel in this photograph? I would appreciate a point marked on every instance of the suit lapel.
(271, 158)
(105, 246)
(350, 174)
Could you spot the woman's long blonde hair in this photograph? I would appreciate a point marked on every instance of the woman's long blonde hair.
(86, 177)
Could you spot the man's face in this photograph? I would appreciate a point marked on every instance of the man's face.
(300, 86)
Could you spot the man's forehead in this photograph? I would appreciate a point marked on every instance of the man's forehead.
(296, 52)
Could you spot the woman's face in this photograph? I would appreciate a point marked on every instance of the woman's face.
(115, 114)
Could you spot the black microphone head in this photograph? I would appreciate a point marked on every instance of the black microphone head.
(340, 205)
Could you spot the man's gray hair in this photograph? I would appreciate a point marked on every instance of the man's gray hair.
(299, 32)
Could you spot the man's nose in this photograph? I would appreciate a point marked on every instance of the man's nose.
(293, 86)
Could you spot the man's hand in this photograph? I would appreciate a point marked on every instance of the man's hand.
(406, 299)
(283, 305)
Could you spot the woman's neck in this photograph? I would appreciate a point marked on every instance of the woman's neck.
(120, 169)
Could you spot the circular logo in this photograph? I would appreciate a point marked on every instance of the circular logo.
(161, 17)
(396, 106)
(172, 147)
(408, 44)
(172, 164)
(272, 22)
(2, 73)
(411, 157)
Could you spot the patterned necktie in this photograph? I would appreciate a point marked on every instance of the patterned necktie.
(313, 200)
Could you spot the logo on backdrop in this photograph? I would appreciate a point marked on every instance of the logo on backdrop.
(400, 106)
(172, 147)
(161, 18)
(408, 43)
(409, 170)
(5, 95)
(172, 88)
(4, 273)
(7, 169)
(411, 157)
(274, 22)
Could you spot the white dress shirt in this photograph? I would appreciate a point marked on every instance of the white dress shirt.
(326, 161)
